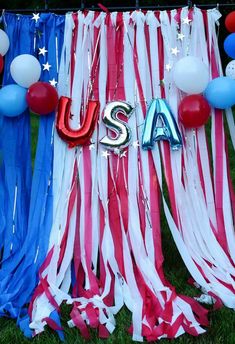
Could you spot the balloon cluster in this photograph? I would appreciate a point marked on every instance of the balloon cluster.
(25, 70)
(191, 76)
(229, 44)
(220, 92)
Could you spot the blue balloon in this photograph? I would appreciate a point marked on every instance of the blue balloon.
(229, 45)
(12, 100)
(220, 92)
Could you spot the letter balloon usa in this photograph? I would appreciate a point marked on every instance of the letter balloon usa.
(79, 136)
(111, 120)
(160, 110)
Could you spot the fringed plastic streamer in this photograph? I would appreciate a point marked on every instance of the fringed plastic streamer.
(200, 198)
(105, 243)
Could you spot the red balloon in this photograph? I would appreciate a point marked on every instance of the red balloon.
(1, 63)
(82, 135)
(194, 111)
(230, 22)
(42, 98)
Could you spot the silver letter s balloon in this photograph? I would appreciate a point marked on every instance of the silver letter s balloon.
(111, 120)
(159, 109)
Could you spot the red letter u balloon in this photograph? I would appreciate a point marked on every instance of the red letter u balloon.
(82, 135)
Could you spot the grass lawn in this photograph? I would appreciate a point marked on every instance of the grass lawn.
(222, 322)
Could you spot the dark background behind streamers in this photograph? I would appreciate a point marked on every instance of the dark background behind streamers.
(11, 4)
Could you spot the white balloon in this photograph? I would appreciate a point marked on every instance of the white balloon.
(4, 43)
(230, 69)
(191, 75)
(25, 70)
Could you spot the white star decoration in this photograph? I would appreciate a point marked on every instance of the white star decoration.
(123, 154)
(135, 144)
(42, 51)
(46, 66)
(105, 154)
(180, 36)
(36, 17)
(91, 146)
(168, 67)
(175, 51)
(187, 21)
(53, 82)
(118, 152)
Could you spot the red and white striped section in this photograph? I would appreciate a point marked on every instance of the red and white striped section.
(105, 245)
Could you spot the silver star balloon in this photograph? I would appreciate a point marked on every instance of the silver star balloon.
(42, 51)
(168, 67)
(175, 51)
(46, 66)
(36, 17)
(105, 154)
(53, 82)
(180, 36)
(135, 144)
(187, 21)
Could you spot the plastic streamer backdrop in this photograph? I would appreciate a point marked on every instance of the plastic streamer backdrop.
(86, 230)
(26, 203)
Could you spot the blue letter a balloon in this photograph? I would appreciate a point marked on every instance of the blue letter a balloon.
(159, 109)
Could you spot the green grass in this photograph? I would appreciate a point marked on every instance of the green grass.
(222, 322)
(221, 331)
(34, 121)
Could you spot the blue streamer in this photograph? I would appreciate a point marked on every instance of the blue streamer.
(19, 272)
(15, 175)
